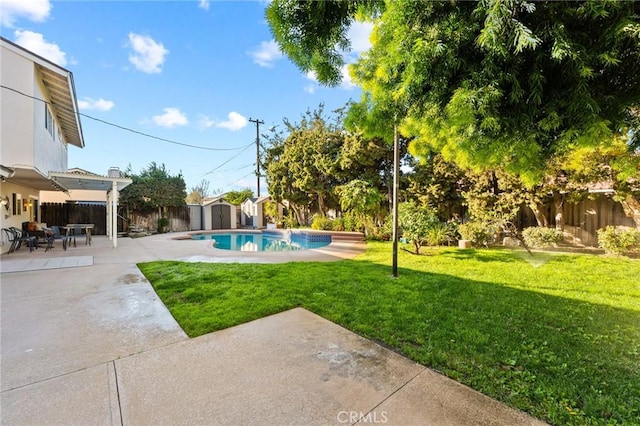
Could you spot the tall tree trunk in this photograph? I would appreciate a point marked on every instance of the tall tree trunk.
(321, 205)
(298, 213)
(558, 202)
(539, 214)
(631, 207)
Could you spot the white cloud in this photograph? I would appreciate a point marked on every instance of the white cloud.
(36, 43)
(33, 10)
(147, 55)
(172, 117)
(310, 88)
(204, 4)
(96, 104)
(205, 122)
(346, 83)
(266, 54)
(234, 123)
(358, 35)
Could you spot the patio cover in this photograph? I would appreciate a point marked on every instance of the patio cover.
(81, 179)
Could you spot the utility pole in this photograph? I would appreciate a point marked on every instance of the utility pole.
(258, 123)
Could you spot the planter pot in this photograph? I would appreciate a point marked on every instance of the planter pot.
(464, 244)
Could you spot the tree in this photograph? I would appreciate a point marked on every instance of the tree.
(416, 221)
(153, 188)
(304, 168)
(198, 192)
(495, 82)
(362, 199)
(238, 197)
(437, 184)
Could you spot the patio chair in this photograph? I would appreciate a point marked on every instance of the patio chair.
(52, 234)
(22, 236)
(10, 236)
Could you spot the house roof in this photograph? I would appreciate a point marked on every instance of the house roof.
(61, 88)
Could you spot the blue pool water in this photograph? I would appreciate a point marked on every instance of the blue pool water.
(266, 241)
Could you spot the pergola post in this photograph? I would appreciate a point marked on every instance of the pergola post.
(114, 213)
(109, 233)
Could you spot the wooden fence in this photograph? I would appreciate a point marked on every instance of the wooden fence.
(179, 219)
(583, 219)
(64, 213)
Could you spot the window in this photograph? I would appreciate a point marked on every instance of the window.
(48, 123)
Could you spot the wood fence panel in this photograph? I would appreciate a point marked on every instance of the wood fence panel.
(179, 219)
(64, 213)
(61, 214)
(583, 219)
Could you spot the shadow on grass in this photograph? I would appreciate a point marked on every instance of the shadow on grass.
(562, 360)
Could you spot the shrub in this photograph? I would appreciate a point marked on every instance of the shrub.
(415, 222)
(321, 223)
(352, 222)
(618, 241)
(338, 224)
(539, 236)
(479, 233)
(440, 233)
(163, 223)
(383, 232)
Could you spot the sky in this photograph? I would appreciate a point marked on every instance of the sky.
(174, 82)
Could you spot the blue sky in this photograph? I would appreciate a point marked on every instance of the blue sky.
(192, 72)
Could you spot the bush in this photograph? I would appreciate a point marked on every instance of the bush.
(163, 223)
(441, 233)
(618, 241)
(338, 224)
(539, 236)
(352, 222)
(479, 233)
(321, 223)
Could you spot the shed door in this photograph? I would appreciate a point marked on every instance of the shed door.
(220, 217)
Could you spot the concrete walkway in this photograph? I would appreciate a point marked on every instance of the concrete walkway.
(94, 345)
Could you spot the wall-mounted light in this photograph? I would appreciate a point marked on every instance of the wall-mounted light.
(4, 201)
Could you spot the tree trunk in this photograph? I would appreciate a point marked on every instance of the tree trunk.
(321, 206)
(631, 207)
(539, 214)
(558, 202)
(298, 213)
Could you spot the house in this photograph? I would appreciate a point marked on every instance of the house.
(39, 122)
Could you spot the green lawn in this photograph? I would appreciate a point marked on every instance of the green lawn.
(557, 336)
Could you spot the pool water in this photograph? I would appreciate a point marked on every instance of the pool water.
(265, 242)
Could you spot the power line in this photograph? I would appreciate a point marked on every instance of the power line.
(237, 180)
(225, 162)
(122, 127)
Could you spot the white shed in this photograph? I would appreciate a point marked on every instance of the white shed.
(253, 212)
(219, 214)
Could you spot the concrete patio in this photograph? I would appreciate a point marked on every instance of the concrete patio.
(85, 340)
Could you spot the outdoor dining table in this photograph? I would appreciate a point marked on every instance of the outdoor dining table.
(75, 229)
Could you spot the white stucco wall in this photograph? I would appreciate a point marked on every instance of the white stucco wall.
(24, 139)
(16, 111)
(50, 152)
(7, 218)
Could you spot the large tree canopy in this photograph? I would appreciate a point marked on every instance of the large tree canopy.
(494, 82)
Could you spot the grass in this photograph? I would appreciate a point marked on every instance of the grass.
(557, 336)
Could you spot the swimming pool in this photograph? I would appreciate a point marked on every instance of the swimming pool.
(266, 241)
